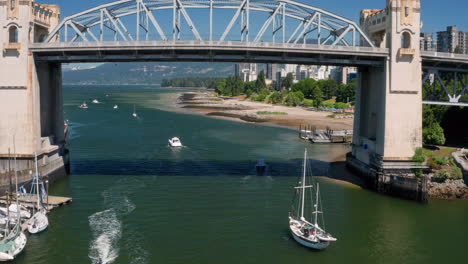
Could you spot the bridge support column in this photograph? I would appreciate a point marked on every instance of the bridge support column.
(388, 118)
(31, 114)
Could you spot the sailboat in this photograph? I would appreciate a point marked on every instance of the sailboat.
(15, 240)
(39, 222)
(83, 106)
(308, 232)
(134, 112)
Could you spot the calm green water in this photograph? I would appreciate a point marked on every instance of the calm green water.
(138, 201)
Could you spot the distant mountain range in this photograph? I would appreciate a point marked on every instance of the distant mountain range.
(142, 73)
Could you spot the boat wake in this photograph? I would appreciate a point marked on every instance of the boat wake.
(107, 225)
(107, 230)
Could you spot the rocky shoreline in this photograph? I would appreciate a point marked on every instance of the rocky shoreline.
(450, 189)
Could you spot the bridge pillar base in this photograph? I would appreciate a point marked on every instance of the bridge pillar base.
(391, 178)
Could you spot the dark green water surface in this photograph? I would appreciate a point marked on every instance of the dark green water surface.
(135, 200)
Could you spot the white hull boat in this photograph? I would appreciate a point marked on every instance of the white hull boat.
(95, 101)
(83, 106)
(175, 142)
(12, 245)
(116, 107)
(38, 222)
(305, 232)
(24, 212)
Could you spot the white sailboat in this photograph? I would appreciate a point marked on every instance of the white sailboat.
(308, 232)
(15, 240)
(39, 222)
(134, 112)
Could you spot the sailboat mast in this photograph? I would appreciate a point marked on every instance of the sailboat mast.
(303, 184)
(316, 204)
(37, 180)
(16, 183)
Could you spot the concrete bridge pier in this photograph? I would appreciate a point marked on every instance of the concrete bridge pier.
(31, 103)
(388, 118)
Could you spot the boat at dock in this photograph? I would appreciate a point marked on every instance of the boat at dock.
(39, 222)
(15, 240)
(308, 232)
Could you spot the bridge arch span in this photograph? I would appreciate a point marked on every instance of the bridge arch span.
(278, 21)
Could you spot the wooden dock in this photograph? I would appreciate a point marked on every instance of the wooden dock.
(31, 201)
(325, 135)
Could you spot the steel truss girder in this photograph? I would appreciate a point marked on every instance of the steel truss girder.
(310, 19)
(454, 97)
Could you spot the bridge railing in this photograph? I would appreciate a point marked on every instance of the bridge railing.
(444, 55)
(202, 44)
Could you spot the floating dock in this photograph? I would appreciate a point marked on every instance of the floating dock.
(325, 135)
(50, 202)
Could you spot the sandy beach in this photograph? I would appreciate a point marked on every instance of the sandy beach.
(243, 110)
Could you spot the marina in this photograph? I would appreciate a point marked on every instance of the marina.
(50, 203)
(325, 136)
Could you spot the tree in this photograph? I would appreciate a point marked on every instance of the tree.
(260, 84)
(458, 50)
(288, 81)
(221, 87)
(434, 134)
(328, 88)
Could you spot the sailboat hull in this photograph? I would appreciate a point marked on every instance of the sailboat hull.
(314, 245)
(38, 223)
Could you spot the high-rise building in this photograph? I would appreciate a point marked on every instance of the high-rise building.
(246, 71)
(427, 42)
(452, 40)
(271, 71)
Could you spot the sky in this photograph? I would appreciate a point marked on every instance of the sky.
(436, 14)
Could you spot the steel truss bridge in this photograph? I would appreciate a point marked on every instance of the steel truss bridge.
(264, 31)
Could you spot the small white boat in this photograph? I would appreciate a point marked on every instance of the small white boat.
(305, 232)
(13, 244)
(95, 101)
(38, 222)
(134, 112)
(83, 106)
(24, 212)
(260, 166)
(116, 107)
(175, 142)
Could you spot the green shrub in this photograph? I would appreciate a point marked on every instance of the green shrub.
(419, 156)
(442, 175)
(434, 134)
(271, 113)
(308, 103)
(328, 105)
(341, 105)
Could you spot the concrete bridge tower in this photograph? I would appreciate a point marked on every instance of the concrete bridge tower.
(388, 123)
(30, 93)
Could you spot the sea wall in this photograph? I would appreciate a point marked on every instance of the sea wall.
(401, 183)
(52, 166)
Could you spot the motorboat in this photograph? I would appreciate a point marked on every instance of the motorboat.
(116, 107)
(308, 233)
(95, 101)
(175, 142)
(260, 166)
(83, 106)
(24, 212)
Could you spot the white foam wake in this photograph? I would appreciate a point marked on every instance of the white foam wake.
(107, 230)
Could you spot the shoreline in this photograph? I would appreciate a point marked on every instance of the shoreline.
(241, 110)
(244, 111)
